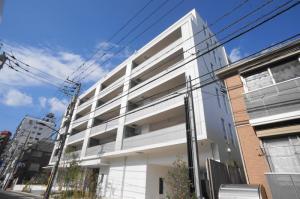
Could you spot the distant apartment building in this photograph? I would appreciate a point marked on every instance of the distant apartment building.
(130, 126)
(4, 139)
(32, 162)
(30, 131)
(264, 93)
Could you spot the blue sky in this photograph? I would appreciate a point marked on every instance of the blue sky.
(57, 36)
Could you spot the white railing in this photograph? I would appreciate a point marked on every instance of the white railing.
(159, 136)
(154, 81)
(77, 136)
(100, 149)
(154, 107)
(80, 120)
(108, 105)
(85, 104)
(116, 84)
(171, 48)
(107, 126)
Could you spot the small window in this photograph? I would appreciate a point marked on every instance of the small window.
(204, 30)
(161, 186)
(40, 128)
(39, 133)
(224, 101)
(224, 129)
(35, 127)
(218, 97)
(231, 134)
(36, 139)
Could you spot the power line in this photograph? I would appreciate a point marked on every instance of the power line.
(209, 50)
(115, 34)
(245, 58)
(203, 29)
(140, 34)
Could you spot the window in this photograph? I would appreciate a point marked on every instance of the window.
(283, 154)
(161, 186)
(224, 101)
(258, 80)
(231, 134)
(40, 128)
(272, 75)
(218, 97)
(30, 138)
(286, 71)
(204, 30)
(39, 133)
(35, 127)
(214, 54)
(223, 128)
(36, 138)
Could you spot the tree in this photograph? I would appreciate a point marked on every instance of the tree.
(178, 180)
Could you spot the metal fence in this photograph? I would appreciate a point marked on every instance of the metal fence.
(284, 185)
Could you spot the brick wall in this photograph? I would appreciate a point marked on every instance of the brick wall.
(254, 160)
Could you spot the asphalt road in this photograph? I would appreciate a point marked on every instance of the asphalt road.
(14, 195)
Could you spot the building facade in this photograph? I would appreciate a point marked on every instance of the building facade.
(130, 126)
(264, 93)
(30, 131)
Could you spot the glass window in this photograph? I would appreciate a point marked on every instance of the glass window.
(286, 71)
(218, 97)
(258, 80)
(231, 134)
(224, 129)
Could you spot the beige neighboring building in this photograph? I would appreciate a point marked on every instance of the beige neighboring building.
(264, 92)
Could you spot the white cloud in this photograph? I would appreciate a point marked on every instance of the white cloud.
(57, 63)
(16, 98)
(235, 54)
(43, 101)
(54, 104)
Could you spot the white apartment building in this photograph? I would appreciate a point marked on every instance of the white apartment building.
(130, 126)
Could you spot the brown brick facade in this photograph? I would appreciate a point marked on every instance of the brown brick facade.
(254, 160)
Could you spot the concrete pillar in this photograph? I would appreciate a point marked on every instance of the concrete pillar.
(90, 122)
(123, 110)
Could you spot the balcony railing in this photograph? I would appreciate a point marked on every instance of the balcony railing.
(116, 84)
(155, 137)
(108, 105)
(107, 126)
(280, 98)
(284, 185)
(80, 120)
(77, 136)
(85, 104)
(152, 82)
(154, 107)
(171, 48)
(72, 155)
(100, 149)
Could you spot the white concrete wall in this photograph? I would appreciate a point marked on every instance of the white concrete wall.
(154, 172)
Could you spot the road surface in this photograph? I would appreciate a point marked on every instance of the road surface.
(14, 195)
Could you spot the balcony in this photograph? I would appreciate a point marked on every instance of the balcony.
(156, 80)
(72, 155)
(155, 137)
(154, 60)
(100, 149)
(85, 105)
(76, 137)
(155, 107)
(80, 121)
(279, 99)
(106, 126)
(284, 185)
(113, 86)
(111, 104)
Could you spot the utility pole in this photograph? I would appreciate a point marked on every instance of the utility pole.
(192, 146)
(3, 59)
(62, 139)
